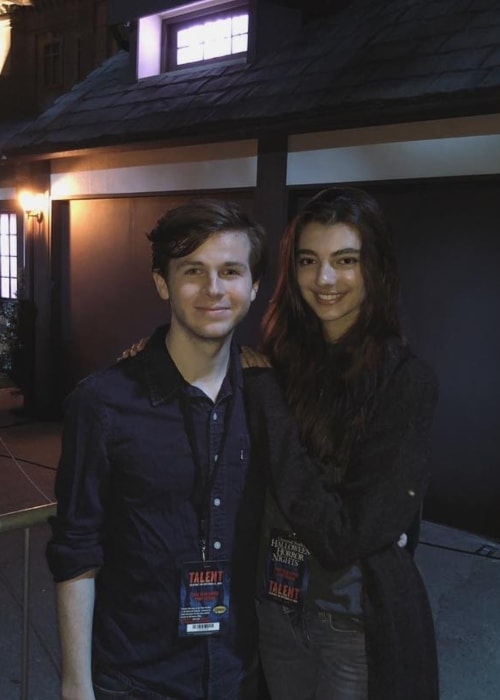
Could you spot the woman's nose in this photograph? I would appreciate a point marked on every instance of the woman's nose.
(326, 275)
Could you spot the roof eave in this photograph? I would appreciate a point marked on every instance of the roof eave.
(345, 116)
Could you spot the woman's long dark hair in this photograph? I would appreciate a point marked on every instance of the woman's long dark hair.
(329, 387)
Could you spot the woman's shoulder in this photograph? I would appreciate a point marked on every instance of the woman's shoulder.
(408, 373)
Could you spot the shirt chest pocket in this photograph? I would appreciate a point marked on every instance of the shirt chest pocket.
(149, 467)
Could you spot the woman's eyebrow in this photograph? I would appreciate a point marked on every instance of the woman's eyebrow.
(344, 251)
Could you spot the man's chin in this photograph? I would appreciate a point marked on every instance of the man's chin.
(216, 335)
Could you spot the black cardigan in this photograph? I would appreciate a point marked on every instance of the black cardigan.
(362, 519)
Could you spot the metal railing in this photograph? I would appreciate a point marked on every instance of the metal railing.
(25, 520)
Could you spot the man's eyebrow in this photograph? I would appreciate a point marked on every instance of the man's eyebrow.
(236, 263)
(200, 263)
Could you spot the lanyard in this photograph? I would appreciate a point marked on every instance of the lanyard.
(203, 482)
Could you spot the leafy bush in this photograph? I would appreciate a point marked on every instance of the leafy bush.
(10, 344)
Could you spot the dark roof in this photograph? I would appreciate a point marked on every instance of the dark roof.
(376, 61)
(8, 129)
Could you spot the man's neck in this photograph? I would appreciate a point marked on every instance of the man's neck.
(203, 363)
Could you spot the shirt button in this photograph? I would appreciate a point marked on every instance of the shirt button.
(216, 457)
(216, 501)
(214, 416)
(217, 544)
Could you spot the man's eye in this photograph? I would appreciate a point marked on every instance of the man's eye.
(192, 271)
(230, 272)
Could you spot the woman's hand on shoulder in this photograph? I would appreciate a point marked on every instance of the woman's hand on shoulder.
(253, 358)
(134, 349)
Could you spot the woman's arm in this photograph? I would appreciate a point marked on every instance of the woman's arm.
(383, 488)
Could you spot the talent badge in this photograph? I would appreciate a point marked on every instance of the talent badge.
(287, 568)
(204, 598)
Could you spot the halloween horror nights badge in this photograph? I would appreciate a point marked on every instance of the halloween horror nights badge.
(287, 568)
(204, 601)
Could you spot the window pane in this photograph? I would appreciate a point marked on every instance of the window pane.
(5, 288)
(190, 54)
(4, 224)
(240, 44)
(218, 47)
(218, 29)
(240, 24)
(13, 288)
(186, 37)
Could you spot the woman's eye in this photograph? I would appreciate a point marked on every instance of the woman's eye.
(305, 261)
(348, 261)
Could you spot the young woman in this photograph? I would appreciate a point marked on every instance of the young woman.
(343, 611)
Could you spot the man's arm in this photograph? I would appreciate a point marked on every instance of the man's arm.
(75, 609)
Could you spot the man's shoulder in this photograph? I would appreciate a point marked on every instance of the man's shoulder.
(108, 384)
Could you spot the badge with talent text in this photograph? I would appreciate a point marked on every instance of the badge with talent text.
(204, 598)
(287, 568)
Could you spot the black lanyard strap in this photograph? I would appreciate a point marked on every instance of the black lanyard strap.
(203, 482)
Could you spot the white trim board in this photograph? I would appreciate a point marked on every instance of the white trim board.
(164, 177)
(444, 157)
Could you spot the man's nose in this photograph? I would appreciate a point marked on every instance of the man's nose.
(214, 285)
(327, 275)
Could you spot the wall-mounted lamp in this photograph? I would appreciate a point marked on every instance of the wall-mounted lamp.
(32, 204)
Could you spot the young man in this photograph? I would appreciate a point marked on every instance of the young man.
(155, 540)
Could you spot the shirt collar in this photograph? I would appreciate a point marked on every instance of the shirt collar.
(161, 375)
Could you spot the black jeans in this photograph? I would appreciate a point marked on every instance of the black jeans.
(113, 686)
(308, 655)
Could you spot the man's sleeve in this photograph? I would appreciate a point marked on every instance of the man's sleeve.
(81, 486)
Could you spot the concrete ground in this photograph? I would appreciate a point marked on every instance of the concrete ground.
(461, 570)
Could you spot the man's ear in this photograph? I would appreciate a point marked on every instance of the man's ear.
(161, 286)
(255, 289)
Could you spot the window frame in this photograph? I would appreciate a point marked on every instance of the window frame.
(52, 63)
(172, 25)
(12, 277)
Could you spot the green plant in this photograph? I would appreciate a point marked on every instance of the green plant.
(10, 334)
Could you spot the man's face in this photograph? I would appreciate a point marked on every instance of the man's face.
(211, 289)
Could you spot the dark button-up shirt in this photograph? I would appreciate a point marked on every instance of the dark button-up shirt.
(129, 503)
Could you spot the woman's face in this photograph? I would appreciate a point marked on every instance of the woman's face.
(329, 275)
